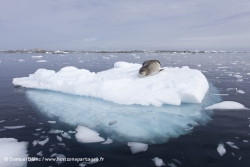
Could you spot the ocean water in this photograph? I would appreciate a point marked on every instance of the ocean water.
(197, 147)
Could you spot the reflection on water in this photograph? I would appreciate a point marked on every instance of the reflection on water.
(122, 123)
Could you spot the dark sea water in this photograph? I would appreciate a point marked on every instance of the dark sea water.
(197, 148)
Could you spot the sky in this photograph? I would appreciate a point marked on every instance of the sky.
(125, 25)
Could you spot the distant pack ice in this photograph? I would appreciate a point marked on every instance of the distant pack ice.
(123, 85)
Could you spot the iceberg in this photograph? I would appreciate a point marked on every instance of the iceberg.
(123, 85)
(130, 123)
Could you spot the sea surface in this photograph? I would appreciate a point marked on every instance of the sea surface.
(227, 72)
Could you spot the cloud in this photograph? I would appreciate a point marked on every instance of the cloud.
(85, 40)
(122, 24)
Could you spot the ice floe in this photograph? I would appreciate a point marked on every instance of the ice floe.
(86, 135)
(60, 158)
(66, 135)
(241, 91)
(14, 127)
(170, 86)
(231, 144)
(158, 161)
(176, 160)
(34, 143)
(55, 131)
(71, 131)
(52, 122)
(226, 105)
(11, 148)
(221, 149)
(172, 165)
(36, 57)
(43, 142)
(137, 147)
(59, 138)
(40, 153)
(41, 61)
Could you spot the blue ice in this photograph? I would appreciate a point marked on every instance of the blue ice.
(123, 123)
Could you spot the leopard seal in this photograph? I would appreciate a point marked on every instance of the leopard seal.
(150, 67)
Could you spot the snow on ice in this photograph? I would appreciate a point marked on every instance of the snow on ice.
(123, 85)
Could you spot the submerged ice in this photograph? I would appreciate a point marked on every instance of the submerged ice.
(123, 123)
(123, 85)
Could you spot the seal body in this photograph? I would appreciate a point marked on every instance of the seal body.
(150, 67)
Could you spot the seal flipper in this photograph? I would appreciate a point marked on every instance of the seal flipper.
(161, 69)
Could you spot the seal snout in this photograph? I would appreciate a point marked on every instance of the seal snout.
(142, 72)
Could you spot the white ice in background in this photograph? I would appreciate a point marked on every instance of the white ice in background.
(86, 135)
(36, 57)
(104, 57)
(158, 161)
(137, 147)
(123, 85)
(231, 144)
(145, 124)
(241, 91)
(221, 149)
(41, 61)
(43, 142)
(52, 122)
(14, 127)
(10, 147)
(229, 105)
(55, 131)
